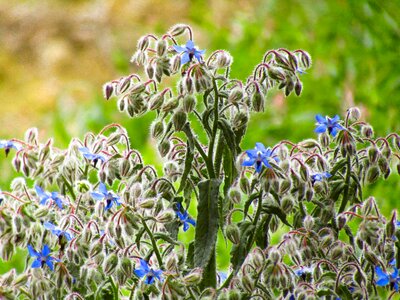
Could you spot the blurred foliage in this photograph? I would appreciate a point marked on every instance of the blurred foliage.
(57, 54)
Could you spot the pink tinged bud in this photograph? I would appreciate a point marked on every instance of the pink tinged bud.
(108, 90)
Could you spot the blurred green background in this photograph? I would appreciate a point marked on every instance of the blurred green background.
(56, 54)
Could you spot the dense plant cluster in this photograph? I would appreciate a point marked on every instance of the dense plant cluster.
(98, 223)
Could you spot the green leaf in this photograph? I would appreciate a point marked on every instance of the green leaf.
(229, 136)
(262, 237)
(207, 223)
(165, 237)
(276, 210)
(188, 163)
(238, 252)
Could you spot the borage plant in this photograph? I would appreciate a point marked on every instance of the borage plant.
(99, 223)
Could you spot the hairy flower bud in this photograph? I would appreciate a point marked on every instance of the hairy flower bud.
(308, 223)
(110, 263)
(277, 74)
(373, 174)
(179, 120)
(166, 216)
(108, 90)
(157, 129)
(188, 103)
(287, 204)
(143, 43)
(234, 195)
(367, 131)
(258, 101)
(235, 95)
(161, 47)
(298, 87)
(232, 233)
(194, 277)
(354, 113)
(178, 29)
(164, 147)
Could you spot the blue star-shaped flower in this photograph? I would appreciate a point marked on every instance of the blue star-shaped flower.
(57, 231)
(145, 270)
(44, 196)
(189, 51)
(110, 197)
(258, 156)
(330, 124)
(184, 218)
(42, 257)
(92, 156)
(303, 270)
(320, 176)
(385, 279)
(8, 145)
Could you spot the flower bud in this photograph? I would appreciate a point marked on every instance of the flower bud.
(166, 216)
(397, 142)
(247, 283)
(178, 29)
(232, 233)
(156, 101)
(277, 74)
(244, 184)
(298, 87)
(127, 266)
(287, 204)
(240, 120)
(157, 129)
(147, 203)
(354, 113)
(108, 90)
(110, 263)
(143, 43)
(194, 277)
(305, 59)
(324, 139)
(31, 136)
(285, 186)
(308, 223)
(122, 104)
(170, 105)
(188, 103)
(373, 154)
(179, 120)
(234, 195)
(164, 147)
(384, 166)
(367, 131)
(304, 174)
(274, 256)
(95, 249)
(373, 174)
(161, 47)
(235, 95)
(258, 101)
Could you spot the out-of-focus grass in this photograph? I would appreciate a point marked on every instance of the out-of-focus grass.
(354, 45)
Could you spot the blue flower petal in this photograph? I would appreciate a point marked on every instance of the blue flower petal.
(179, 49)
(49, 225)
(36, 264)
(46, 250)
(189, 45)
(185, 226)
(32, 252)
(260, 147)
(320, 119)
(185, 58)
(249, 162)
(320, 128)
(49, 263)
(97, 196)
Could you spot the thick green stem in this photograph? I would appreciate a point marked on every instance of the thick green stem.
(347, 186)
(154, 244)
(215, 125)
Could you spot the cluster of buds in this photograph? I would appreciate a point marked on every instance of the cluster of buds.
(99, 223)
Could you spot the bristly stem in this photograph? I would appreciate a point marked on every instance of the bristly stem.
(347, 185)
(154, 244)
(215, 125)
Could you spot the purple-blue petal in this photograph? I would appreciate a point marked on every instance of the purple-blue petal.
(49, 263)
(97, 196)
(320, 129)
(179, 49)
(260, 147)
(185, 226)
(189, 44)
(185, 58)
(46, 250)
(320, 119)
(32, 252)
(248, 162)
(36, 264)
